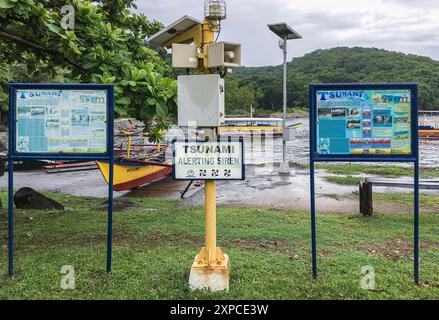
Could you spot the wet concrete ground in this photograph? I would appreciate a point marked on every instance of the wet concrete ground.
(263, 188)
(92, 184)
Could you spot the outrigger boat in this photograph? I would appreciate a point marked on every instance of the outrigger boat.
(137, 165)
(130, 175)
(243, 127)
(429, 129)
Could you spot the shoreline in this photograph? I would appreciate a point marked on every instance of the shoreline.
(263, 188)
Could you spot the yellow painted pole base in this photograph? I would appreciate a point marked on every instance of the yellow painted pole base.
(207, 259)
(212, 278)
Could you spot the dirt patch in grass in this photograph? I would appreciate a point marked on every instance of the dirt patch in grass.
(292, 250)
(403, 202)
(119, 238)
(397, 249)
(159, 239)
(274, 246)
(389, 207)
(428, 284)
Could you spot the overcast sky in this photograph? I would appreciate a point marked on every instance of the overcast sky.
(410, 26)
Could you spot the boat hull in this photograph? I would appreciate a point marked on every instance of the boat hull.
(129, 176)
(429, 134)
(250, 131)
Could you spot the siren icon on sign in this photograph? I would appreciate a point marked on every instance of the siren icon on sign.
(191, 173)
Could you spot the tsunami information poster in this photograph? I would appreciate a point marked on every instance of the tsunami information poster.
(364, 122)
(61, 121)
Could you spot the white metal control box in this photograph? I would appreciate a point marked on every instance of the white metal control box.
(201, 100)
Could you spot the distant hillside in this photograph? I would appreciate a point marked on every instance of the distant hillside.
(338, 65)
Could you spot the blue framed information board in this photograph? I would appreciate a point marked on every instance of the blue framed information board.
(364, 123)
(69, 121)
(60, 122)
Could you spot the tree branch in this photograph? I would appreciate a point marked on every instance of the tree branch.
(25, 42)
(37, 47)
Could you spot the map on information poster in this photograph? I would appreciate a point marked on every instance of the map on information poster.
(61, 121)
(364, 122)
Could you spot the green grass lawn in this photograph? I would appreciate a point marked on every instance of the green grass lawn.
(345, 180)
(426, 201)
(386, 171)
(269, 250)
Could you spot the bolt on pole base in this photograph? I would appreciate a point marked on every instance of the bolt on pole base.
(284, 168)
(213, 276)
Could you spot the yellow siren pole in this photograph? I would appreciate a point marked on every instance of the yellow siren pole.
(210, 256)
(210, 269)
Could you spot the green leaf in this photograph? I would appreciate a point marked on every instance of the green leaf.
(6, 4)
(118, 90)
(161, 109)
(54, 28)
(150, 88)
(90, 65)
(151, 101)
(120, 111)
(141, 74)
(123, 101)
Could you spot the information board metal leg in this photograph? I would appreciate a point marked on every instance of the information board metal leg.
(313, 222)
(110, 214)
(416, 225)
(11, 216)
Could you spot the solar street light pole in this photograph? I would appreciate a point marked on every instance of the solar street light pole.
(285, 168)
(285, 33)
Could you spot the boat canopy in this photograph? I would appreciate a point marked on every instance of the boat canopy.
(253, 121)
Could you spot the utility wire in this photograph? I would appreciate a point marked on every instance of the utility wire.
(219, 30)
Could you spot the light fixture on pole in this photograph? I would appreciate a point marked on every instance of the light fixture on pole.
(215, 9)
(285, 33)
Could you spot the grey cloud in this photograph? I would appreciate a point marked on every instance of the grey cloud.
(321, 27)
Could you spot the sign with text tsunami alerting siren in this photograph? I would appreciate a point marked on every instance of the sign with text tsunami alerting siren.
(212, 160)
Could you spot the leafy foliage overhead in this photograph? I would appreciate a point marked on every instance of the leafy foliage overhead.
(106, 45)
(342, 65)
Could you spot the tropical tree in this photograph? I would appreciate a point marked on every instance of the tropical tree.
(91, 42)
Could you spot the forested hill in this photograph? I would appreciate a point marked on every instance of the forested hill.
(335, 65)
